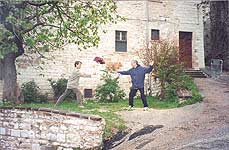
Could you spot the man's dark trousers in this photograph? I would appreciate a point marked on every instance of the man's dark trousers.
(133, 92)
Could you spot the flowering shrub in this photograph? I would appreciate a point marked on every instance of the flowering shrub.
(167, 67)
(99, 60)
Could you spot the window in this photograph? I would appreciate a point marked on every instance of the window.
(155, 34)
(120, 41)
(87, 93)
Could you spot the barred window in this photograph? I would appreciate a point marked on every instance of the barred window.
(121, 41)
(155, 34)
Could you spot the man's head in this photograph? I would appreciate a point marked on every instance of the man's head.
(134, 63)
(78, 64)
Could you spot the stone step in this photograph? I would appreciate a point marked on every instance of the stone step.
(196, 73)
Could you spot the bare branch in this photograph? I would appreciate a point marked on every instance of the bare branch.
(34, 26)
(48, 11)
(21, 5)
(30, 61)
(50, 25)
(39, 4)
(64, 13)
(41, 55)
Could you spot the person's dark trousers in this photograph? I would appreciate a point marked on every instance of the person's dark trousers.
(133, 93)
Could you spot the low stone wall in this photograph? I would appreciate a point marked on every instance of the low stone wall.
(48, 129)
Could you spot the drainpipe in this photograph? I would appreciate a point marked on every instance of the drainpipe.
(147, 45)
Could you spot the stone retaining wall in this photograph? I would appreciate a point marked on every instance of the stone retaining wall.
(47, 129)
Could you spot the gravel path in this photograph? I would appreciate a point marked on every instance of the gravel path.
(138, 118)
(200, 126)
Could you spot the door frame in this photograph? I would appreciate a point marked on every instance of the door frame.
(189, 32)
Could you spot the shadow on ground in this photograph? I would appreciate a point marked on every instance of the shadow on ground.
(116, 140)
(121, 136)
(146, 130)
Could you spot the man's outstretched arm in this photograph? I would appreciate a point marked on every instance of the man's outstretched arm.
(148, 69)
(124, 72)
(84, 75)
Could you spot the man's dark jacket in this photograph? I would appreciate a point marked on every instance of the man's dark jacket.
(137, 75)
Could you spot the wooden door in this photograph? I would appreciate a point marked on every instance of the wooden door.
(185, 49)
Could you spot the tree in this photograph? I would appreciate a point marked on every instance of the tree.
(219, 32)
(216, 24)
(28, 26)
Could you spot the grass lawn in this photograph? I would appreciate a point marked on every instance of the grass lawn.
(106, 110)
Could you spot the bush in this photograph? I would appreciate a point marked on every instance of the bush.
(170, 93)
(59, 87)
(31, 93)
(167, 67)
(110, 90)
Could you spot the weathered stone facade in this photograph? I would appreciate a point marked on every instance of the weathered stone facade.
(46, 129)
(168, 16)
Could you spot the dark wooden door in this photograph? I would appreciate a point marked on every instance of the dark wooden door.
(185, 49)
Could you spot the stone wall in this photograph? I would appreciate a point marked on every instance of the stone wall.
(46, 129)
(169, 16)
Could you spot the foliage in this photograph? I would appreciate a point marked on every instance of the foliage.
(31, 93)
(219, 33)
(167, 67)
(59, 87)
(110, 90)
(48, 24)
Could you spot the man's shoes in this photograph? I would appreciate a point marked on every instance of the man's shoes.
(131, 108)
(145, 108)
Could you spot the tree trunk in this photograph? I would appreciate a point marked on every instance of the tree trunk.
(162, 94)
(9, 75)
(1, 69)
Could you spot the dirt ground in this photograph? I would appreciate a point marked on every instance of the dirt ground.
(200, 126)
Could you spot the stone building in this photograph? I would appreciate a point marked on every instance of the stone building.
(180, 21)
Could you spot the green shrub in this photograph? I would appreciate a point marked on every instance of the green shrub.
(59, 87)
(109, 91)
(170, 93)
(31, 93)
